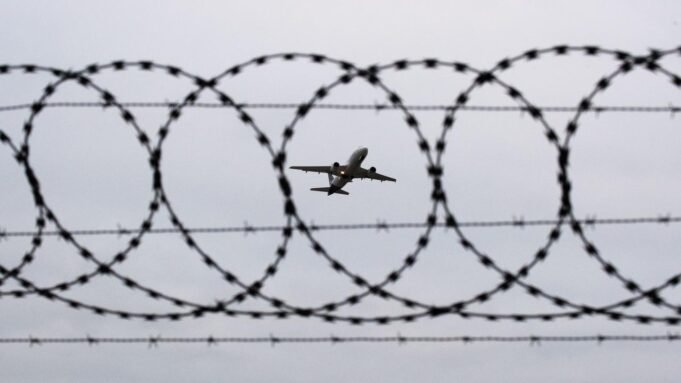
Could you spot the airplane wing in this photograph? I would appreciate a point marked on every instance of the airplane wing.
(364, 173)
(322, 169)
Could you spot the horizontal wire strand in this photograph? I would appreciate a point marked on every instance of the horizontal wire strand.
(399, 339)
(341, 106)
(246, 229)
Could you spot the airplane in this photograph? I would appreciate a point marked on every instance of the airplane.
(345, 173)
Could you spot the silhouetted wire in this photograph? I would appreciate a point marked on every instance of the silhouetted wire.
(380, 225)
(338, 106)
(533, 340)
(433, 154)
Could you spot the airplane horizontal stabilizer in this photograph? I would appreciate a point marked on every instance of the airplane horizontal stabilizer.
(336, 191)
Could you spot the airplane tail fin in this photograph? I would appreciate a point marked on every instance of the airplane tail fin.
(337, 191)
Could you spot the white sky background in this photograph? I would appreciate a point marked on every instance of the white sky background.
(497, 166)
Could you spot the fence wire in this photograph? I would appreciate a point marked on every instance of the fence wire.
(432, 151)
(156, 341)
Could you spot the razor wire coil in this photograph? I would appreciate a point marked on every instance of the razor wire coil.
(295, 224)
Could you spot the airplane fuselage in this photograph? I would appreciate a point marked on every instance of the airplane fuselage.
(339, 175)
(345, 176)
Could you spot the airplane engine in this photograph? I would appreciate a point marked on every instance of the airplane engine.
(372, 170)
(334, 167)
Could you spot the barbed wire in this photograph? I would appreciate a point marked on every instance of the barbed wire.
(672, 109)
(379, 225)
(399, 339)
(295, 224)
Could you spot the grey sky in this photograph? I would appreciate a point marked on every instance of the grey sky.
(497, 166)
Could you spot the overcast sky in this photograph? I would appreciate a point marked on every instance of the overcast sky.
(498, 166)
